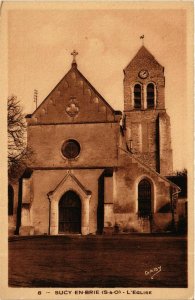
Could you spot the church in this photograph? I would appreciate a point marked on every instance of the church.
(95, 170)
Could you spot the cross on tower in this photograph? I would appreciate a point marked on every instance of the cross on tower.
(74, 54)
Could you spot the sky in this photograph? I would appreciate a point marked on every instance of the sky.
(42, 37)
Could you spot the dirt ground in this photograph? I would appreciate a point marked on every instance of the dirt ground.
(98, 261)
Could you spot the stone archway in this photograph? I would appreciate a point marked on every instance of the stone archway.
(69, 182)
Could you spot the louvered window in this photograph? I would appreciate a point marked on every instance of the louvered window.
(150, 95)
(137, 96)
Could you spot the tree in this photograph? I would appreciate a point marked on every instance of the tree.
(17, 148)
(180, 173)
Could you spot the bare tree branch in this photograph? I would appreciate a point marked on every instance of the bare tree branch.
(18, 153)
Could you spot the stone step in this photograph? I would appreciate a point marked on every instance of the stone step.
(144, 225)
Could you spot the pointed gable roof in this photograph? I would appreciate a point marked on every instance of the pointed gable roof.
(149, 169)
(73, 100)
(142, 55)
(69, 182)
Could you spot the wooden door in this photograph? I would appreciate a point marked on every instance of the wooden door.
(70, 213)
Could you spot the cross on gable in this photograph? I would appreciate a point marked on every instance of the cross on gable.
(74, 54)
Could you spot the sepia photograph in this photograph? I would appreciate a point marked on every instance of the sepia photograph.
(97, 108)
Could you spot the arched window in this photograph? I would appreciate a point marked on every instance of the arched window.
(10, 200)
(150, 95)
(144, 198)
(137, 96)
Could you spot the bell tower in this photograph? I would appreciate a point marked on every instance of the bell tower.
(147, 124)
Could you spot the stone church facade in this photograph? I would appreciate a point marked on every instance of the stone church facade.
(95, 170)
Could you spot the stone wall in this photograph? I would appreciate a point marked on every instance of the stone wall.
(143, 60)
(166, 155)
(149, 129)
(12, 219)
(44, 182)
(144, 135)
(126, 179)
(150, 132)
(98, 143)
(73, 100)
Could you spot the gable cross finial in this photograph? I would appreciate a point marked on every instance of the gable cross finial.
(142, 38)
(74, 54)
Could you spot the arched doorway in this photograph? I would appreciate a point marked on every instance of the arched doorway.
(144, 198)
(70, 213)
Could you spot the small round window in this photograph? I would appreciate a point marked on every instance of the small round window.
(71, 149)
